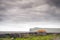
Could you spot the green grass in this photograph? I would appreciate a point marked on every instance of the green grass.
(47, 37)
(5, 38)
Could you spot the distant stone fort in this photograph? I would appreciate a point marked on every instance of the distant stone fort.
(48, 30)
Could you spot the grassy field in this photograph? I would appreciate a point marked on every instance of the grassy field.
(47, 37)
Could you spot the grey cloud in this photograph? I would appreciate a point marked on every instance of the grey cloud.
(54, 2)
(28, 11)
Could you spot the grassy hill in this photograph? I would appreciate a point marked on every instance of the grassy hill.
(47, 37)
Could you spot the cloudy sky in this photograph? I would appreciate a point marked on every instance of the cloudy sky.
(21, 15)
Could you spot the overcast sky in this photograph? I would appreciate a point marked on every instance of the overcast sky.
(21, 15)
